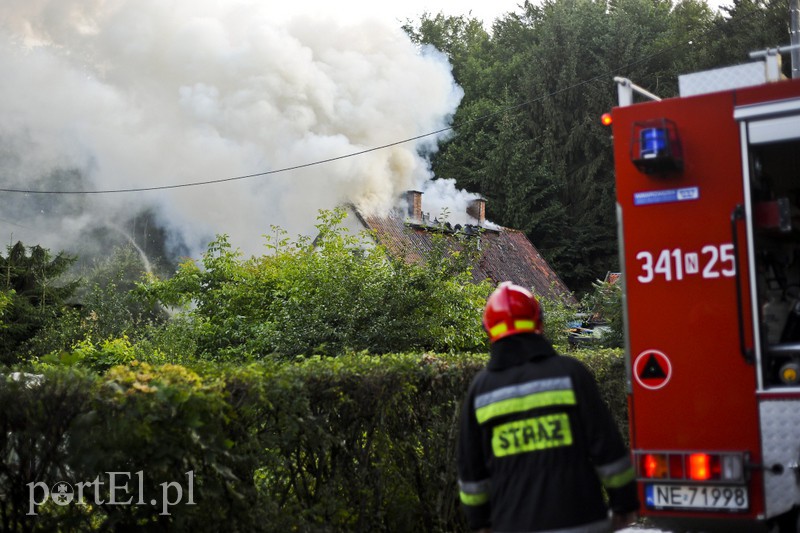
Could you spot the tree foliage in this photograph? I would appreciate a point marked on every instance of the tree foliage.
(338, 292)
(106, 308)
(34, 294)
(527, 134)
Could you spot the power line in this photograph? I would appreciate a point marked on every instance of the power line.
(5, 221)
(234, 178)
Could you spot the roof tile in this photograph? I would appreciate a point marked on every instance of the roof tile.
(506, 254)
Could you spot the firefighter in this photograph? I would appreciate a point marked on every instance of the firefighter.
(536, 439)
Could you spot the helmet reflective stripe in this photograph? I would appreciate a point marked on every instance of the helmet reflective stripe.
(519, 326)
(474, 492)
(616, 474)
(525, 324)
(498, 329)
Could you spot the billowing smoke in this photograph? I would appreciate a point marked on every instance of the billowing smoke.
(100, 95)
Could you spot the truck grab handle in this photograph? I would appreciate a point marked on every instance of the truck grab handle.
(736, 215)
(626, 88)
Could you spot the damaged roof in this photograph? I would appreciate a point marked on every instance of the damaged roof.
(505, 254)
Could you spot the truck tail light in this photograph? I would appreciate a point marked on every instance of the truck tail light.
(700, 466)
(662, 465)
(654, 465)
(691, 466)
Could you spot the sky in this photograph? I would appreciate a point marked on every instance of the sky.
(393, 12)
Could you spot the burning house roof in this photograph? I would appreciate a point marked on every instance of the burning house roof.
(505, 254)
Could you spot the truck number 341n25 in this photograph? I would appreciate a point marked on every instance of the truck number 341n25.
(712, 261)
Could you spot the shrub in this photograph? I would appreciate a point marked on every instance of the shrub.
(352, 443)
(326, 297)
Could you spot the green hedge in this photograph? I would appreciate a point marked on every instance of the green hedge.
(354, 443)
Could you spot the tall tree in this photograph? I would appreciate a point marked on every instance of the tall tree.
(35, 292)
(527, 135)
(470, 51)
(750, 25)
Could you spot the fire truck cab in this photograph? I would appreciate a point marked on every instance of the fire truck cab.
(708, 205)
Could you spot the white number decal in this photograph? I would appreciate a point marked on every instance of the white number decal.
(664, 265)
(726, 256)
(647, 266)
(675, 264)
(677, 256)
(708, 271)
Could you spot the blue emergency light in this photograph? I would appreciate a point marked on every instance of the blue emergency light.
(653, 143)
(656, 147)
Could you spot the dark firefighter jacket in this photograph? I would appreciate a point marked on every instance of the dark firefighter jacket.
(536, 442)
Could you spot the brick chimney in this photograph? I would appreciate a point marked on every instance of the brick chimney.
(414, 201)
(477, 210)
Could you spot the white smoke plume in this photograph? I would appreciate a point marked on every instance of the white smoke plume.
(120, 94)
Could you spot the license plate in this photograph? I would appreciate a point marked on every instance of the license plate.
(712, 498)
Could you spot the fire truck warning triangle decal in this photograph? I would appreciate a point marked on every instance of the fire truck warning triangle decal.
(652, 369)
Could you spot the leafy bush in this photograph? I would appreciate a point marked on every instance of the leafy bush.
(608, 367)
(352, 443)
(109, 308)
(604, 304)
(35, 423)
(339, 293)
(325, 297)
(556, 316)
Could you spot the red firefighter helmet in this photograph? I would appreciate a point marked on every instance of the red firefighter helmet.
(510, 310)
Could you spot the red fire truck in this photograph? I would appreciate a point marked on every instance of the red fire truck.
(708, 202)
